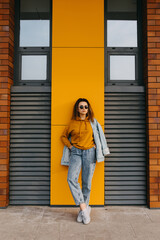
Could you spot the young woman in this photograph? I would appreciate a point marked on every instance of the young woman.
(85, 143)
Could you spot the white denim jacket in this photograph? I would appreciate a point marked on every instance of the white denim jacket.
(102, 148)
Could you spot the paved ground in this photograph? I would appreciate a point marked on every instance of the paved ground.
(108, 223)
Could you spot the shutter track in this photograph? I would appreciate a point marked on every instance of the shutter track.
(30, 128)
(125, 131)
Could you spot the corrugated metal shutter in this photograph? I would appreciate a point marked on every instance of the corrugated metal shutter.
(125, 129)
(30, 145)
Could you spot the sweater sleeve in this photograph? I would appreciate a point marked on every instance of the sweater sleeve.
(64, 137)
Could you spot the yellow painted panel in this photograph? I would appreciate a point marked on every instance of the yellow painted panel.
(78, 23)
(60, 192)
(77, 72)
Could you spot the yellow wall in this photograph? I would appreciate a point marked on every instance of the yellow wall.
(77, 71)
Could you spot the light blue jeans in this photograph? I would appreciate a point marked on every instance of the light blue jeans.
(85, 159)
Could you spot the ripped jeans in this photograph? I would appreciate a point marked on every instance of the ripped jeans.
(85, 159)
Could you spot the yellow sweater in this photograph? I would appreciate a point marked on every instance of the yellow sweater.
(81, 134)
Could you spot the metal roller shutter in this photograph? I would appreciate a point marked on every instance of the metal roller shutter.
(30, 130)
(125, 130)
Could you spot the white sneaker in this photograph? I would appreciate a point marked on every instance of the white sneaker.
(79, 217)
(86, 215)
(89, 209)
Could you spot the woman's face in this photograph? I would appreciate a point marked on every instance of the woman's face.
(83, 108)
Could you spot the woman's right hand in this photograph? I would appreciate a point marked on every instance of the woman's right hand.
(70, 147)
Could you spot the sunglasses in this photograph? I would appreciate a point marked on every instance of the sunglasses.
(82, 107)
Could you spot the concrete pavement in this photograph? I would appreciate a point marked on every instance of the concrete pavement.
(108, 223)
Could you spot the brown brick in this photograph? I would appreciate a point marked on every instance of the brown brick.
(152, 91)
(154, 198)
(154, 168)
(154, 155)
(157, 68)
(3, 144)
(4, 173)
(154, 204)
(153, 28)
(152, 102)
(150, 39)
(151, 11)
(152, 126)
(151, 22)
(154, 191)
(3, 191)
(157, 45)
(5, 161)
(151, 45)
(152, 79)
(154, 186)
(153, 108)
(4, 120)
(153, 162)
(153, 174)
(152, 17)
(152, 56)
(152, 34)
(157, 22)
(154, 120)
(152, 114)
(153, 149)
(154, 179)
(3, 197)
(151, 67)
(154, 85)
(3, 167)
(153, 138)
(4, 179)
(4, 185)
(154, 62)
(3, 203)
(157, 34)
(157, 11)
(153, 97)
(154, 144)
(3, 150)
(154, 73)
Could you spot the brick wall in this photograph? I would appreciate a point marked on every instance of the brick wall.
(153, 100)
(6, 80)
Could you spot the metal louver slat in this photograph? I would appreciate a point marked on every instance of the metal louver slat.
(30, 129)
(125, 131)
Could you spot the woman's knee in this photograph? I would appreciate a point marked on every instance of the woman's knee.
(72, 179)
